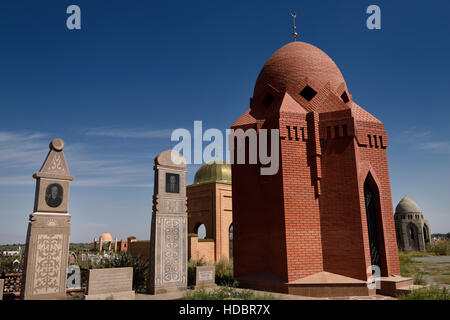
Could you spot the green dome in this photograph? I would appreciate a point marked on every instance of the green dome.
(213, 171)
(407, 205)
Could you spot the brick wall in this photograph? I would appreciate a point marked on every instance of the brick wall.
(201, 249)
(373, 160)
(341, 215)
(259, 238)
(311, 215)
(139, 249)
(210, 204)
(300, 162)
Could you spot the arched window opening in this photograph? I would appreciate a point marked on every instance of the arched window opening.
(371, 198)
(426, 236)
(398, 236)
(230, 239)
(201, 231)
(413, 238)
(411, 233)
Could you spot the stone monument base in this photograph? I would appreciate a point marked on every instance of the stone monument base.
(126, 295)
(321, 284)
(390, 286)
(2, 282)
(46, 252)
(166, 290)
(204, 286)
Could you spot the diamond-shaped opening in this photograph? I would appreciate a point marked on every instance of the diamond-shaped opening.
(308, 93)
(344, 97)
(268, 99)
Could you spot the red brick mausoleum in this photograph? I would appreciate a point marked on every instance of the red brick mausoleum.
(326, 216)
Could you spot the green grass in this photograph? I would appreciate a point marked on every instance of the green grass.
(408, 267)
(6, 263)
(431, 293)
(79, 296)
(226, 293)
(419, 280)
(420, 254)
(435, 272)
(77, 247)
(439, 249)
(224, 273)
(445, 279)
(192, 264)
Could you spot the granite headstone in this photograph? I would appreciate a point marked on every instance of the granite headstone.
(205, 276)
(110, 283)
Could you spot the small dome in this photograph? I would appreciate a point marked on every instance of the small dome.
(213, 171)
(106, 237)
(407, 205)
(294, 62)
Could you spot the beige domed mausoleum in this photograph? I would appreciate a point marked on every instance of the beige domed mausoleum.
(209, 213)
(105, 242)
(413, 231)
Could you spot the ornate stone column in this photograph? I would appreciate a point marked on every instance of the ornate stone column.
(168, 244)
(47, 243)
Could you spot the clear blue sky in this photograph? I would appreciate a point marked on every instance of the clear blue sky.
(138, 69)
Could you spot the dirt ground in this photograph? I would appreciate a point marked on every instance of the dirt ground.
(435, 269)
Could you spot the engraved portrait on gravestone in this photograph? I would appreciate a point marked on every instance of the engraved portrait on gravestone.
(54, 195)
(172, 183)
(47, 243)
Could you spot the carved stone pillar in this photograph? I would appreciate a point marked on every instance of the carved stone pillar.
(168, 244)
(48, 236)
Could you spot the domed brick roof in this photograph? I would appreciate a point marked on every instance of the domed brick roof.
(293, 63)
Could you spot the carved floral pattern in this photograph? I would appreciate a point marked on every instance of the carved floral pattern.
(48, 263)
(171, 262)
(57, 164)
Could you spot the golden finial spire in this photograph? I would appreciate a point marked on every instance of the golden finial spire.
(294, 28)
